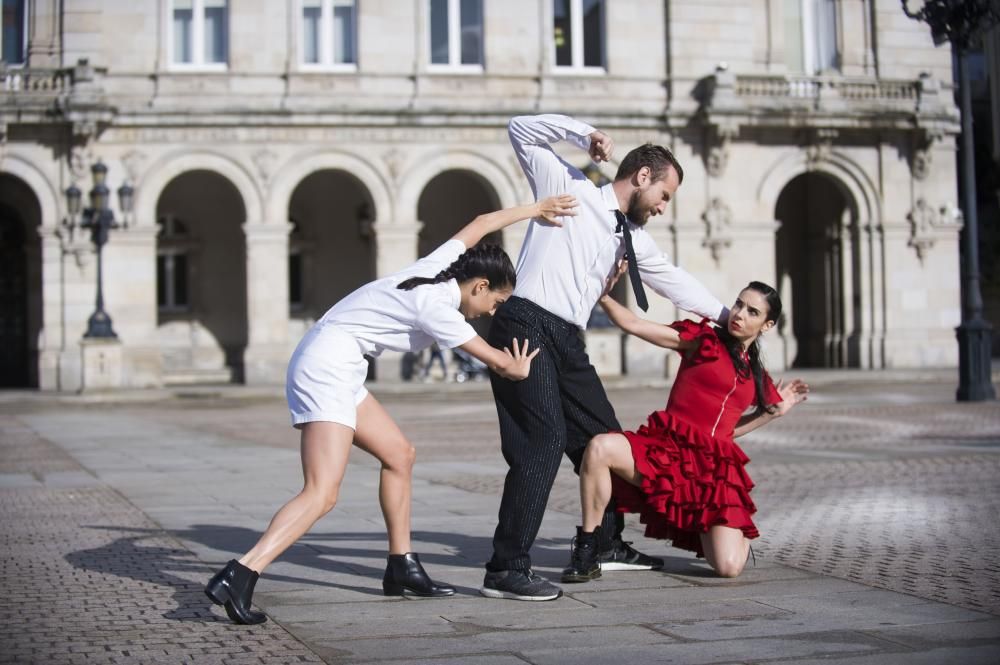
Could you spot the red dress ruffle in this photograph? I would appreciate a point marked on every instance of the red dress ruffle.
(693, 473)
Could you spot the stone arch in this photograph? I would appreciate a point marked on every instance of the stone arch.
(856, 337)
(860, 191)
(416, 179)
(50, 200)
(301, 166)
(167, 168)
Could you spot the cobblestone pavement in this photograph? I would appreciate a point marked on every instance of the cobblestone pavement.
(902, 496)
(106, 547)
(76, 592)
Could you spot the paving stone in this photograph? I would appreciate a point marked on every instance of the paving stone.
(865, 492)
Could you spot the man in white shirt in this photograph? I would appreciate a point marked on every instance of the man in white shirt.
(561, 273)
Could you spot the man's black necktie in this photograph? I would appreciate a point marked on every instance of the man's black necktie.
(633, 266)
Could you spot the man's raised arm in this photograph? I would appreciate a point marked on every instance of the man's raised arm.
(531, 136)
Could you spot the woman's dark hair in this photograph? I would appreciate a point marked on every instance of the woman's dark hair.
(656, 157)
(755, 368)
(486, 260)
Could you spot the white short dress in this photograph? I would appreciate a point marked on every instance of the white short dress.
(327, 371)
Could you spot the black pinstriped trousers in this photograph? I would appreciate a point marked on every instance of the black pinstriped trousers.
(556, 410)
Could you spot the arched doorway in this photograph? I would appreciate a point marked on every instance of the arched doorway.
(201, 279)
(817, 268)
(449, 201)
(20, 284)
(332, 243)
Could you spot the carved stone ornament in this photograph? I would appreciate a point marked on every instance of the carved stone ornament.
(921, 164)
(394, 160)
(718, 158)
(133, 161)
(718, 220)
(820, 146)
(80, 159)
(265, 161)
(924, 220)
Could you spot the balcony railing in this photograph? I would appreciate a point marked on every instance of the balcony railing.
(815, 87)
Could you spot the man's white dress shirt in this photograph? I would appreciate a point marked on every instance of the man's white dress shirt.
(565, 269)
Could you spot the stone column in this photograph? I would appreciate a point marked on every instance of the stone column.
(396, 247)
(52, 339)
(130, 286)
(266, 355)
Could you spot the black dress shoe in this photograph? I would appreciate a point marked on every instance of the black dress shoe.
(233, 587)
(403, 574)
(583, 564)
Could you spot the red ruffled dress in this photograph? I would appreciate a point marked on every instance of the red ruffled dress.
(693, 475)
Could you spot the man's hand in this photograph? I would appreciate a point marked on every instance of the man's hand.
(601, 147)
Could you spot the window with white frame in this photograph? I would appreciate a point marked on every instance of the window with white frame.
(329, 33)
(200, 33)
(578, 33)
(811, 36)
(15, 28)
(456, 33)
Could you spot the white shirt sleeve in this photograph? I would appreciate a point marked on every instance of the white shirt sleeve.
(671, 282)
(530, 135)
(435, 262)
(440, 319)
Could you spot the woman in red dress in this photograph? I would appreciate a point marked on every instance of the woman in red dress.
(681, 471)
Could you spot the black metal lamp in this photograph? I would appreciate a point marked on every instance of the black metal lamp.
(99, 219)
(959, 22)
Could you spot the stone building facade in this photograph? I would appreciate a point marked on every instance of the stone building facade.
(283, 153)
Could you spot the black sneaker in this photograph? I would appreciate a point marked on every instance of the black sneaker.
(518, 585)
(622, 556)
(583, 565)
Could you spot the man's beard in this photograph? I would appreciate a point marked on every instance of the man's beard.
(636, 213)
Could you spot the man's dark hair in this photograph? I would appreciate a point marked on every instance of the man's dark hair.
(656, 157)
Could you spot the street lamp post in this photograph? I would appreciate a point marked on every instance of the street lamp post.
(99, 219)
(959, 22)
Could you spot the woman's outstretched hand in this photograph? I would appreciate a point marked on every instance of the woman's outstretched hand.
(616, 274)
(792, 393)
(554, 207)
(521, 365)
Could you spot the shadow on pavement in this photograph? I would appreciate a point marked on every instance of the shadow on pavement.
(178, 570)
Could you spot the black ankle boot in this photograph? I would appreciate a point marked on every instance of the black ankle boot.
(583, 564)
(404, 573)
(233, 587)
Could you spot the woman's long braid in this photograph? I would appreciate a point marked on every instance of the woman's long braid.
(487, 260)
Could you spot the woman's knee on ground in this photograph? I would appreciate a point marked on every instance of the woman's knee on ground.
(730, 565)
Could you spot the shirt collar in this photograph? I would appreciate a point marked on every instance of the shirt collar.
(608, 193)
(454, 292)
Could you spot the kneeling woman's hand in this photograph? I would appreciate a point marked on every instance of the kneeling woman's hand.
(792, 393)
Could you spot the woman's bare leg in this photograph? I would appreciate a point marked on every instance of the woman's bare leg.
(325, 448)
(605, 454)
(726, 550)
(379, 435)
